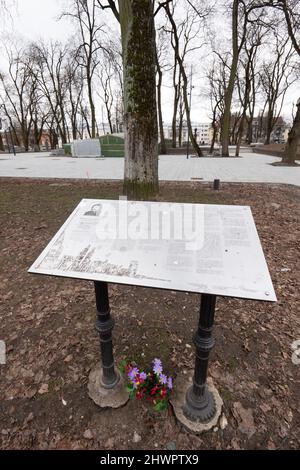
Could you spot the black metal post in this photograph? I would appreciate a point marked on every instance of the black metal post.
(216, 185)
(104, 326)
(200, 404)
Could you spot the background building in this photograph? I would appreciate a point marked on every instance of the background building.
(203, 131)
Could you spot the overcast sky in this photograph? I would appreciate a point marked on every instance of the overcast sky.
(34, 19)
(39, 18)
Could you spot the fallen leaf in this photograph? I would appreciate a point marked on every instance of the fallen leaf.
(44, 389)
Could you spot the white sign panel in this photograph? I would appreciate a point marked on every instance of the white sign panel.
(209, 249)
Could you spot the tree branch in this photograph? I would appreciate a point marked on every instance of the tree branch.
(161, 5)
(112, 6)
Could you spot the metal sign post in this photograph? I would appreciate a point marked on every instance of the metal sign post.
(104, 326)
(200, 403)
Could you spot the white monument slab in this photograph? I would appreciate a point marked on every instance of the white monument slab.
(207, 249)
(86, 148)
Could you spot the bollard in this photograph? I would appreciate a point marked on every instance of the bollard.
(216, 185)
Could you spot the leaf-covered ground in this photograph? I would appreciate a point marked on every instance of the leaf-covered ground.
(48, 327)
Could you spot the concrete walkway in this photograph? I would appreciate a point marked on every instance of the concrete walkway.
(250, 168)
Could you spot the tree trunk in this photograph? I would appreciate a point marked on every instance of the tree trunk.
(62, 125)
(212, 145)
(193, 140)
(269, 127)
(163, 148)
(1, 143)
(174, 120)
(230, 87)
(53, 139)
(180, 125)
(74, 129)
(109, 117)
(214, 126)
(251, 118)
(293, 143)
(239, 137)
(92, 108)
(180, 62)
(246, 103)
(175, 105)
(140, 114)
(25, 138)
(249, 130)
(36, 134)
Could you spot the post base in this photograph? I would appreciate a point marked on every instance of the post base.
(203, 411)
(104, 397)
(207, 417)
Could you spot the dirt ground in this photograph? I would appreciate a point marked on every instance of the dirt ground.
(48, 327)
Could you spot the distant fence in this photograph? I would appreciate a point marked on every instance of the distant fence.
(112, 146)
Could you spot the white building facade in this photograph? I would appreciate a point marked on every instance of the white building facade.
(203, 131)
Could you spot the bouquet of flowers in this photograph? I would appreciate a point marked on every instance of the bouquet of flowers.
(153, 385)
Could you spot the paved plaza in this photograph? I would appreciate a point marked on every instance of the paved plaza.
(251, 167)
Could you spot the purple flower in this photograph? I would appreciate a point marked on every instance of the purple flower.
(157, 366)
(143, 376)
(157, 362)
(133, 373)
(170, 383)
(163, 379)
(157, 369)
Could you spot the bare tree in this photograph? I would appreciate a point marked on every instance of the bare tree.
(246, 87)
(291, 14)
(6, 7)
(236, 48)
(177, 86)
(74, 93)
(244, 13)
(19, 91)
(293, 144)
(159, 58)
(39, 114)
(178, 104)
(291, 10)
(276, 76)
(84, 12)
(50, 71)
(217, 80)
(105, 74)
(191, 28)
